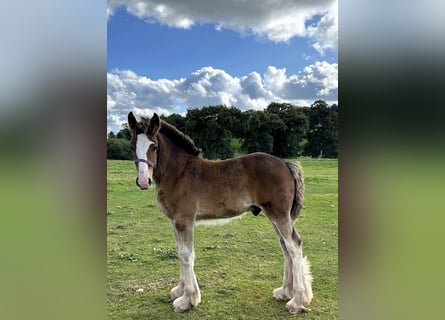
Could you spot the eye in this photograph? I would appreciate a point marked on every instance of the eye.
(155, 147)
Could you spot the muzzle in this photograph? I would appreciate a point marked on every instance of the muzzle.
(137, 183)
(150, 164)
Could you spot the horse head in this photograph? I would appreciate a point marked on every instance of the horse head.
(144, 144)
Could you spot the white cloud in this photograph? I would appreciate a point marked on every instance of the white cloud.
(320, 77)
(275, 78)
(209, 86)
(127, 91)
(253, 86)
(277, 20)
(316, 81)
(325, 32)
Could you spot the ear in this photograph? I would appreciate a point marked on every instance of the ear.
(131, 120)
(155, 124)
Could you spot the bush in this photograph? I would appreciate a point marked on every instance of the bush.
(119, 149)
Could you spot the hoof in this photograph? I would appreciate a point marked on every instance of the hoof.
(294, 308)
(182, 304)
(176, 292)
(280, 294)
(299, 310)
(187, 302)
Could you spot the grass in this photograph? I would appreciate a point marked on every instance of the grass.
(237, 265)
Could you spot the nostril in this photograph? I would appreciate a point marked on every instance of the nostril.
(137, 182)
(149, 181)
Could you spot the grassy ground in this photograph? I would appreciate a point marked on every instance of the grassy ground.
(237, 265)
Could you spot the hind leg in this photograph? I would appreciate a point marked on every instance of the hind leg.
(301, 292)
(285, 291)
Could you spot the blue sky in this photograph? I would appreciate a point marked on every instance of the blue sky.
(167, 56)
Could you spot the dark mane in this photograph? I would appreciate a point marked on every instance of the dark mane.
(182, 140)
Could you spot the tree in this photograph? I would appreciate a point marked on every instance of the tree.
(212, 129)
(175, 119)
(288, 136)
(259, 130)
(124, 133)
(119, 149)
(111, 135)
(322, 133)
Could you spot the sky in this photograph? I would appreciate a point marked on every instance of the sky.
(165, 56)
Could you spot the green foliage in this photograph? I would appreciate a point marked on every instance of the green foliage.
(164, 253)
(281, 129)
(237, 265)
(124, 133)
(175, 119)
(111, 135)
(288, 136)
(119, 149)
(212, 129)
(322, 134)
(118, 146)
(259, 130)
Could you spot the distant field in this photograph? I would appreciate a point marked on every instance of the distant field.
(237, 265)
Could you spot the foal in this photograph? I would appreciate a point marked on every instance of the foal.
(190, 188)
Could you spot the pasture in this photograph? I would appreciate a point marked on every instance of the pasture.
(237, 265)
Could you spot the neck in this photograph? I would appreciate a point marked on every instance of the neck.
(171, 160)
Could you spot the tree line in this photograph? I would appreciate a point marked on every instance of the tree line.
(281, 129)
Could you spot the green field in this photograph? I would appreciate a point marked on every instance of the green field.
(237, 265)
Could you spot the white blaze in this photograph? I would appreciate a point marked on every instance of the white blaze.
(142, 145)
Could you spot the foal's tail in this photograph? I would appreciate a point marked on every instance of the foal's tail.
(297, 173)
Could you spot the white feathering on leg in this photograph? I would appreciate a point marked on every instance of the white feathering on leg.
(308, 279)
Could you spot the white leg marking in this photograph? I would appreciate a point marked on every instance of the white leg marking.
(285, 292)
(188, 285)
(297, 277)
(295, 305)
